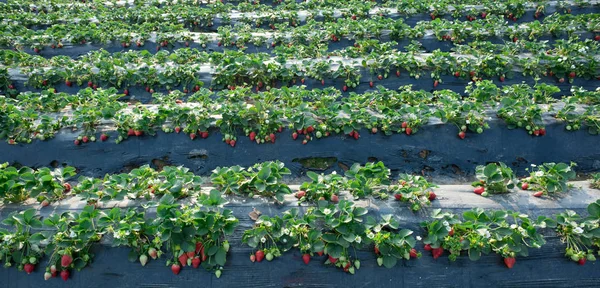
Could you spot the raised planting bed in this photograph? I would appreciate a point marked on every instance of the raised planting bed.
(110, 266)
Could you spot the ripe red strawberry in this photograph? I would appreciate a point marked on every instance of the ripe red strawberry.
(232, 143)
(67, 187)
(304, 142)
(597, 37)
(524, 186)
(376, 250)
(536, 132)
(126, 92)
(64, 275)
(272, 137)
(306, 258)
(398, 196)
(538, 194)
(77, 142)
(479, 190)
(335, 198)
(85, 139)
(260, 255)
(190, 254)
(53, 270)
(300, 194)
(472, 73)
(183, 259)
(90, 83)
(66, 260)
(408, 131)
(379, 77)
(322, 82)
(432, 16)
(437, 252)
(36, 50)
(427, 247)
(582, 261)
(196, 262)
(542, 131)
(431, 196)
(404, 125)
(371, 84)
(130, 132)
(252, 258)
(28, 268)
(483, 15)
(572, 75)
(501, 78)
(561, 80)
(451, 232)
(356, 135)
(456, 74)
(192, 135)
(397, 73)
(332, 260)
(175, 268)
(45, 203)
(462, 134)
(413, 253)
(204, 134)
(68, 83)
(252, 136)
(510, 262)
(353, 17)
(374, 130)
(295, 135)
(436, 83)
(138, 133)
(177, 129)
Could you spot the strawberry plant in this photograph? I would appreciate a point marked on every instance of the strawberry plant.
(131, 229)
(43, 184)
(321, 187)
(22, 247)
(262, 179)
(522, 113)
(367, 180)
(415, 190)
(466, 115)
(504, 232)
(195, 233)
(549, 178)
(580, 234)
(494, 178)
(391, 244)
(343, 233)
(69, 247)
(595, 182)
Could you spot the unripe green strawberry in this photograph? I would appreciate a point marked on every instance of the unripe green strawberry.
(379, 261)
(218, 273)
(591, 257)
(356, 264)
(32, 260)
(351, 270)
(226, 246)
(269, 256)
(143, 259)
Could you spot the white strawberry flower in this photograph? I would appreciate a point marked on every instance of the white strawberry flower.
(539, 173)
(284, 240)
(286, 231)
(72, 234)
(446, 223)
(513, 226)
(307, 246)
(370, 235)
(358, 239)
(578, 230)
(263, 240)
(327, 211)
(418, 238)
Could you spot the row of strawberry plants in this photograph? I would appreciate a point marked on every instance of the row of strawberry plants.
(231, 69)
(262, 180)
(205, 16)
(313, 32)
(196, 235)
(310, 114)
(54, 13)
(190, 235)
